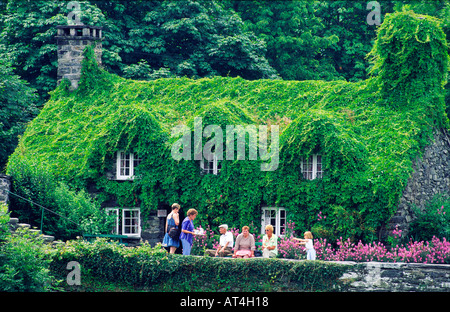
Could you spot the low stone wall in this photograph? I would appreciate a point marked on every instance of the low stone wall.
(396, 277)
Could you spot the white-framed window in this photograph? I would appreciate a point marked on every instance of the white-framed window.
(126, 165)
(114, 212)
(210, 166)
(311, 167)
(276, 217)
(131, 222)
(128, 221)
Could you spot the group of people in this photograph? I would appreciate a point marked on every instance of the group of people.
(244, 247)
(186, 234)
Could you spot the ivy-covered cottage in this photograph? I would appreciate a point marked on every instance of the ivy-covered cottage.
(348, 160)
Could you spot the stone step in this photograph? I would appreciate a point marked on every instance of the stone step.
(35, 231)
(57, 242)
(13, 221)
(14, 225)
(48, 238)
(23, 225)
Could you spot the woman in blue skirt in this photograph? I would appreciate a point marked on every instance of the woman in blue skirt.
(173, 220)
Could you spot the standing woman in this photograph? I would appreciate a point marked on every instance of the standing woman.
(173, 220)
(187, 231)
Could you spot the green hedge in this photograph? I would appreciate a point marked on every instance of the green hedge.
(153, 269)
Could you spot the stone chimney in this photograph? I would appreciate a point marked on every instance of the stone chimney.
(71, 42)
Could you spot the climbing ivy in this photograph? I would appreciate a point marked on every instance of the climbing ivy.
(368, 133)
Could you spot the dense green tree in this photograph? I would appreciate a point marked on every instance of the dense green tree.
(17, 107)
(294, 35)
(191, 38)
(348, 21)
(181, 38)
(27, 39)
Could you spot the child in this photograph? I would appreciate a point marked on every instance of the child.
(308, 242)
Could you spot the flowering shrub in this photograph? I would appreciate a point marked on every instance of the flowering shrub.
(290, 249)
(202, 242)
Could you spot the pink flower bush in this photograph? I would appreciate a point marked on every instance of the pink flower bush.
(289, 249)
(436, 251)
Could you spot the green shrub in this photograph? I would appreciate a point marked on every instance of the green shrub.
(24, 259)
(4, 218)
(433, 220)
(34, 181)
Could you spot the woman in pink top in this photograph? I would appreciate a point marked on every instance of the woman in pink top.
(245, 244)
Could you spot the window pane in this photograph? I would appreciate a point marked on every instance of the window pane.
(308, 168)
(211, 167)
(282, 221)
(124, 164)
(219, 166)
(136, 161)
(319, 169)
(130, 221)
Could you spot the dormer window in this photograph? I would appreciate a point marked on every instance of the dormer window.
(126, 165)
(210, 166)
(311, 167)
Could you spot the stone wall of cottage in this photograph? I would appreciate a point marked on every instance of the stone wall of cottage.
(431, 176)
(5, 184)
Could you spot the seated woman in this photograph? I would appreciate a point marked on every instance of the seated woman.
(270, 243)
(245, 244)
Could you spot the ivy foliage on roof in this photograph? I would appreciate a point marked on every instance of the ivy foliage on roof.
(368, 133)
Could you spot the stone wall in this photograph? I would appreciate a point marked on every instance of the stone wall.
(5, 184)
(396, 277)
(153, 229)
(431, 176)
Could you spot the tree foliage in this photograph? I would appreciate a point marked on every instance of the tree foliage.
(294, 34)
(17, 107)
(184, 38)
